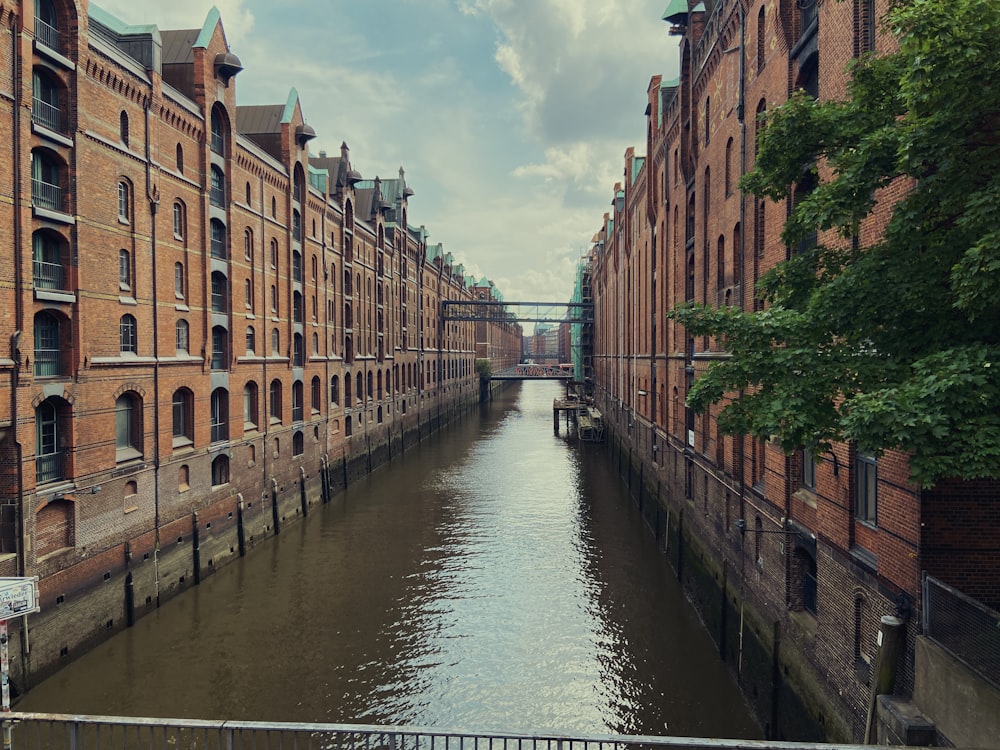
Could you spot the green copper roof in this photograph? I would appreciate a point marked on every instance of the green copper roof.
(637, 164)
(676, 8)
(293, 98)
(117, 25)
(208, 28)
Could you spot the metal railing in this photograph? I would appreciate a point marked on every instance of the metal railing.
(47, 35)
(49, 275)
(49, 467)
(46, 195)
(45, 114)
(34, 731)
(967, 629)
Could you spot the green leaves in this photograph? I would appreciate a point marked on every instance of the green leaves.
(894, 344)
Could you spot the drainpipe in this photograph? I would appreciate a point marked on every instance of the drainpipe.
(15, 353)
(153, 196)
(15, 339)
(741, 118)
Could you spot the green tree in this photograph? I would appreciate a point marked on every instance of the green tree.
(894, 344)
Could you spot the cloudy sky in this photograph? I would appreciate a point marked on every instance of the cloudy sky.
(510, 117)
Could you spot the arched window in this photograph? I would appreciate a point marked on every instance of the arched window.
(371, 389)
(124, 202)
(317, 394)
(182, 405)
(248, 294)
(335, 390)
(128, 335)
(48, 357)
(297, 397)
(218, 142)
(298, 355)
(123, 127)
(298, 443)
(220, 302)
(124, 271)
(180, 221)
(49, 454)
(220, 348)
(218, 238)
(47, 257)
(251, 340)
(220, 470)
(248, 245)
(217, 192)
(46, 109)
(180, 158)
(47, 25)
(347, 389)
(128, 427)
(275, 342)
(729, 167)
(250, 406)
(219, 416)
(296, 225)
(249, 202)
(182, 334)
(275, 400)
(179, 280)
(761, 29)
(360, 389)
(46, 181)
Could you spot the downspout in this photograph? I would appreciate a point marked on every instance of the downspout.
(741, 118)
(264, 392)
(153, 196)
(15, 339)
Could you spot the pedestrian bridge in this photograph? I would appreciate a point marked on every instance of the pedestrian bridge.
(34, 731)
(534, 372)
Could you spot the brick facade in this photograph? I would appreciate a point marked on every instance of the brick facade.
(813, 567)
(206, 326)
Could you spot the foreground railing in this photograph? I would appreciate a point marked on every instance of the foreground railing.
(34, 731)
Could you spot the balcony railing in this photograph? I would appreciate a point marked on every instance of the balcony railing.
(47, 35)
(46, 195)
(47, 115)
(49, 275)
(47, 363)
(50, 467)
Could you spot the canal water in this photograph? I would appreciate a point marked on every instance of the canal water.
(495, 577)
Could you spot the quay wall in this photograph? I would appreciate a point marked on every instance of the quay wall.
(111, 590)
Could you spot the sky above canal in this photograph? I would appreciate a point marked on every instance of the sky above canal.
(510, 117)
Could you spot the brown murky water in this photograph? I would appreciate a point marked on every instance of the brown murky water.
(495, 577)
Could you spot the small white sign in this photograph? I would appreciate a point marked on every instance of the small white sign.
(18, 596)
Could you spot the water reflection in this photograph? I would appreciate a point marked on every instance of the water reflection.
(495, 578)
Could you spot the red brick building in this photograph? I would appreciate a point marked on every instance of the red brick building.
(270, 326)
(792, 562)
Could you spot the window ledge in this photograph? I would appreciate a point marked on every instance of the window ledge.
(125, 359)
(53, 295)
(865, 558)
(183, 442)
(51, 135)
(123, 455)
(46, 51)
(60, 217)
(127, 300)
(806, 496)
